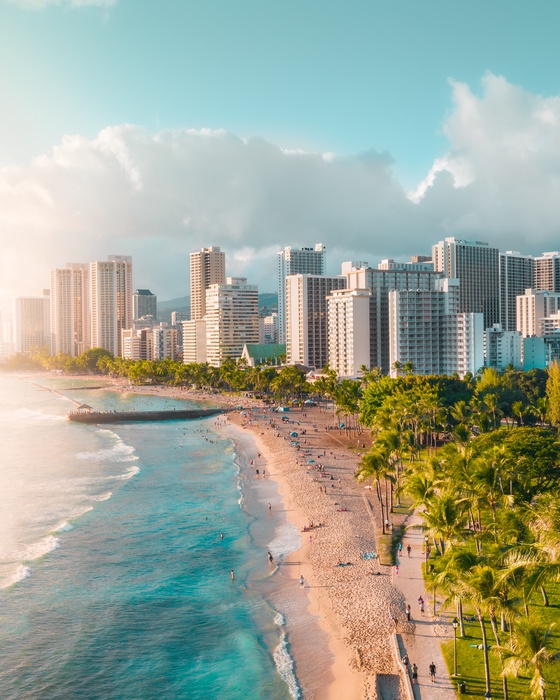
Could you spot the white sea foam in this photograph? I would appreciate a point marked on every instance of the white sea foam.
(64, 526)
(19, 574)
(279, 619)
(102, 496)
(39, 549)
(128, 474)
(287, 540)
(285, 667)
(120, 452)
(77, 512)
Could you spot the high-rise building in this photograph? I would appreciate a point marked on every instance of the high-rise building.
(144, 303)
(70, 309)
(208, 266)
(532, 308)
(476, 266)
(348, 331)
(503, 348)
(137, 343)
(32, 323)
(547, 272)
(380, 283)
(516, 275)
(296, 261)
(427, 331)
(194, 341)
(111, 302)
(268, 329)
(232, 319)
(164, 342)
(306, 318)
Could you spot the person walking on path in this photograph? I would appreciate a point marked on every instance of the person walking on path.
(301, 581)
(414, 670)
(432, 669)
(408, 550)
(408, 613)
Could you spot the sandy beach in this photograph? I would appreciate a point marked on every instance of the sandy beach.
(353, 598)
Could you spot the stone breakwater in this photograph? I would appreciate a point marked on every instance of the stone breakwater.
(138, 416)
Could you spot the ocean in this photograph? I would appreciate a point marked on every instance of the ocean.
(114, 579)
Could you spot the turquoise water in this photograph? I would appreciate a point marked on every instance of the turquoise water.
(114, 581)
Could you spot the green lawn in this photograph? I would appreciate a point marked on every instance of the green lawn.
(470, 661)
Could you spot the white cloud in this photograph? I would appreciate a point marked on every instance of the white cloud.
(41, 4)
(157, 197)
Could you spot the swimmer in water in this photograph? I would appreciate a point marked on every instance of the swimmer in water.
(232, 575)
(221, 535)
(270, 558)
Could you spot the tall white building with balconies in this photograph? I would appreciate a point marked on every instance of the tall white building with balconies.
(232, 319)
(70, 309)
(296, 261)
(306, 318)
(380, 282)
(532, 308)
(111, 302)
(547, 272)
(207, 267)
(427, 331)
(503, 348)
(348, 331)
(32, 323)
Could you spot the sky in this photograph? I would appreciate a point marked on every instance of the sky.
(152, 128)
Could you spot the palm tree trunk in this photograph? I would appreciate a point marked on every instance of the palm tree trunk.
(544, 596)
(460, 616)
(494, 624)
(484, 650)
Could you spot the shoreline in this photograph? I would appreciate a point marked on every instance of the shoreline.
(350, 606)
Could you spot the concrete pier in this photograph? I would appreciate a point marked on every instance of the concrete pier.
(138, 416)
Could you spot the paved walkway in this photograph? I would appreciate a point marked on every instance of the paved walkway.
(423, 644)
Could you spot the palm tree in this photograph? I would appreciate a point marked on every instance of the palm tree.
(474, 588)
(374, 465)
(443, 518)
(529, 653)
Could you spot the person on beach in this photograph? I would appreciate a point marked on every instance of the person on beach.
(408, 611)
(397, 570)
(400, 547)
(405, 660)
(270, 558)
(301, 581)
(269, 507)
(408, 550)
(414, 670)
(432, 668)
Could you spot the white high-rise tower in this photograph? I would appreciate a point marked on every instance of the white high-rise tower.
(70, 322)
(296, 261)
(111, 302)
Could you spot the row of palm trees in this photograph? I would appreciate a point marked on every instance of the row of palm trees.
(488, 496)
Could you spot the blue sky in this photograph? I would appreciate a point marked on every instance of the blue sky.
(348, 78)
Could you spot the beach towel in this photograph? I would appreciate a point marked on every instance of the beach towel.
(370, 555)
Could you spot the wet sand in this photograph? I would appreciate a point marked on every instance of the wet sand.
(353, 603)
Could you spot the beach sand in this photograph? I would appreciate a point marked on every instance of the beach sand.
(353, 603)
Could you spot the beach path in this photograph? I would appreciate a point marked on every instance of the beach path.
(423, 645)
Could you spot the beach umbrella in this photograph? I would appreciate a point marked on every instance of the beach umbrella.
(293, 434)
(310, 461)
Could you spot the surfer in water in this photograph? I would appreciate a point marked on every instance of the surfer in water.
(270, 558)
